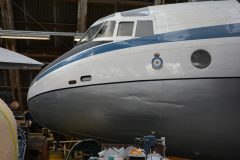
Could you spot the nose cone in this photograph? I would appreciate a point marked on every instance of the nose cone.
(52, 102)
(30, 92)
(35, 89)
(34, 103)
(38, 98)
(45, 97)
(39, 108)
(55, 109)
(43, 105)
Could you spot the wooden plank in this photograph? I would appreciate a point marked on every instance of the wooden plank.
(25, 20)
(127, 2)
(157, 2)
(55, 21)
(177, 158)
(138, 3)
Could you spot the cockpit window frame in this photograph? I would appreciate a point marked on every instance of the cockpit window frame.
(79, 42)
(150, 21)
(95, 36)
(135, 21)
(133, 29)
(112, 24)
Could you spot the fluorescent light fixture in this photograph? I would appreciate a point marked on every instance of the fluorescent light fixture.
(26, 37)
(76, 39)
(36, 35)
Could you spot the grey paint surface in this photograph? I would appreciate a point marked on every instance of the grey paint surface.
(195, 115)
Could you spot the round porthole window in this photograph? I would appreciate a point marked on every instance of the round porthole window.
(201, 58)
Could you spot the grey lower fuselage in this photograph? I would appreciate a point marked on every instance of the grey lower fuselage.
(195, 115)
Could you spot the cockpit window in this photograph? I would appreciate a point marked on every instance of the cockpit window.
(125, 29)
(144, 28)
(107, 29)
(90, 33)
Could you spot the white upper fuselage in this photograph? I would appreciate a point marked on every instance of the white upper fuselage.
(128, 58)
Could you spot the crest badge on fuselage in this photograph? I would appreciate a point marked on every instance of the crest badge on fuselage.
(157, 62)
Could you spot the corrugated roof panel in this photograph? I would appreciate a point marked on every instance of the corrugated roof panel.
(66, 12)
(41, 10)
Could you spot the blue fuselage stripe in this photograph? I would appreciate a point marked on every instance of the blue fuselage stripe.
(220, 31)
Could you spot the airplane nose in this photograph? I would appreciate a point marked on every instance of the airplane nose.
(40, 106)
(32, 89)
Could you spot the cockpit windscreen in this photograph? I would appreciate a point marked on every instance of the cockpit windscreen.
(90, 33)
(105, 29)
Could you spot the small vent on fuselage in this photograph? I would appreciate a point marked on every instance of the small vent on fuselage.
(72, 82)
(86, 78)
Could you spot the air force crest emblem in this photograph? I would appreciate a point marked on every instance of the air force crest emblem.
(157, 62)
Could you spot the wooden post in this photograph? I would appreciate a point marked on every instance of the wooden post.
(82, 16)
(157, 2)
(25, 20)
(7, 20)
(55, 21)
(115, 6)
